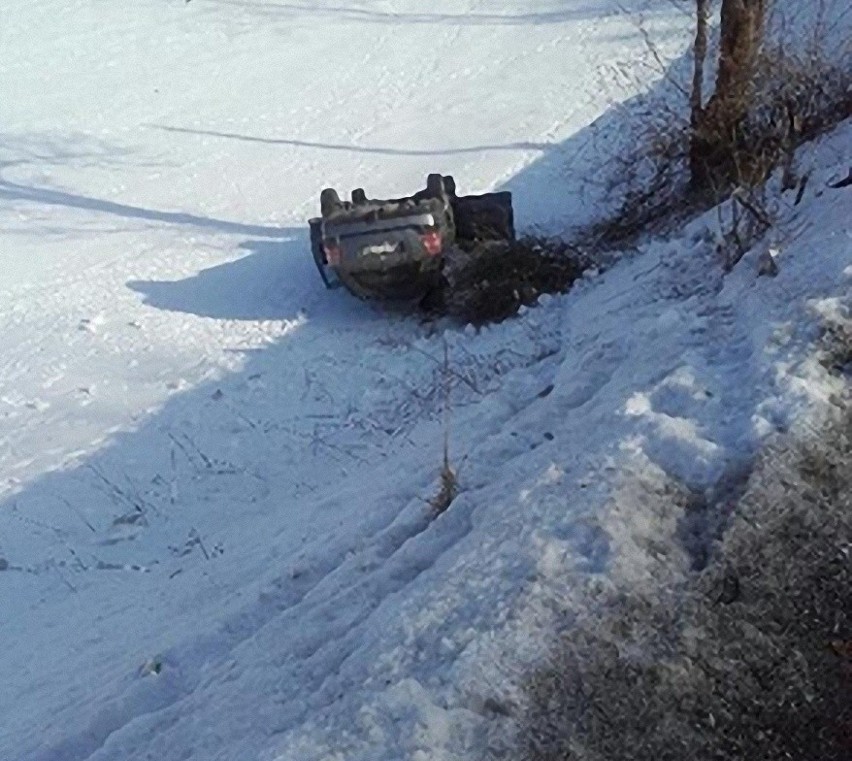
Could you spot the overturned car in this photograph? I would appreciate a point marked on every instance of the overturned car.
(395, 249)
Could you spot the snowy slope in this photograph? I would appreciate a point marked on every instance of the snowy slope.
(213, 518)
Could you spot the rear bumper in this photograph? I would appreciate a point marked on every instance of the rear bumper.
(389, 261)
(397, 277)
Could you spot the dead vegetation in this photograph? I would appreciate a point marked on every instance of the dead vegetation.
(490, 282)
(772, 94)
(836, 346)
(750, 659)
(448, 480)
(447, 490)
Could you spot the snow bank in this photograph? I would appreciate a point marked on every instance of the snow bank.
(214, 525)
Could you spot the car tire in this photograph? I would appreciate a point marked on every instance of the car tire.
(435, 186)
(329, 202)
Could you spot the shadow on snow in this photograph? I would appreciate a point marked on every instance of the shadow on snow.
(43, 196)
(274, 280)
(383, 151)
(580, 12)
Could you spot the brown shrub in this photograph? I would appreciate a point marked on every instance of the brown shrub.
(491, 281)
(793, 96)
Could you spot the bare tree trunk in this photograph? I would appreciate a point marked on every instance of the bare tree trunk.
(741, 35)
(696, 95)
(714, 136)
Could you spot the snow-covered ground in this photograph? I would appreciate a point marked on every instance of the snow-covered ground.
(214, 474)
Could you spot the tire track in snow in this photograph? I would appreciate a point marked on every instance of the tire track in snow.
(322, 616)
(391, 558)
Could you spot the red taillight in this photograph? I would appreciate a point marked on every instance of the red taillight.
(332, 252)
(432, 242)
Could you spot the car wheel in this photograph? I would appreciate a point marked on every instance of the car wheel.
(329, 202)
(435, 186)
